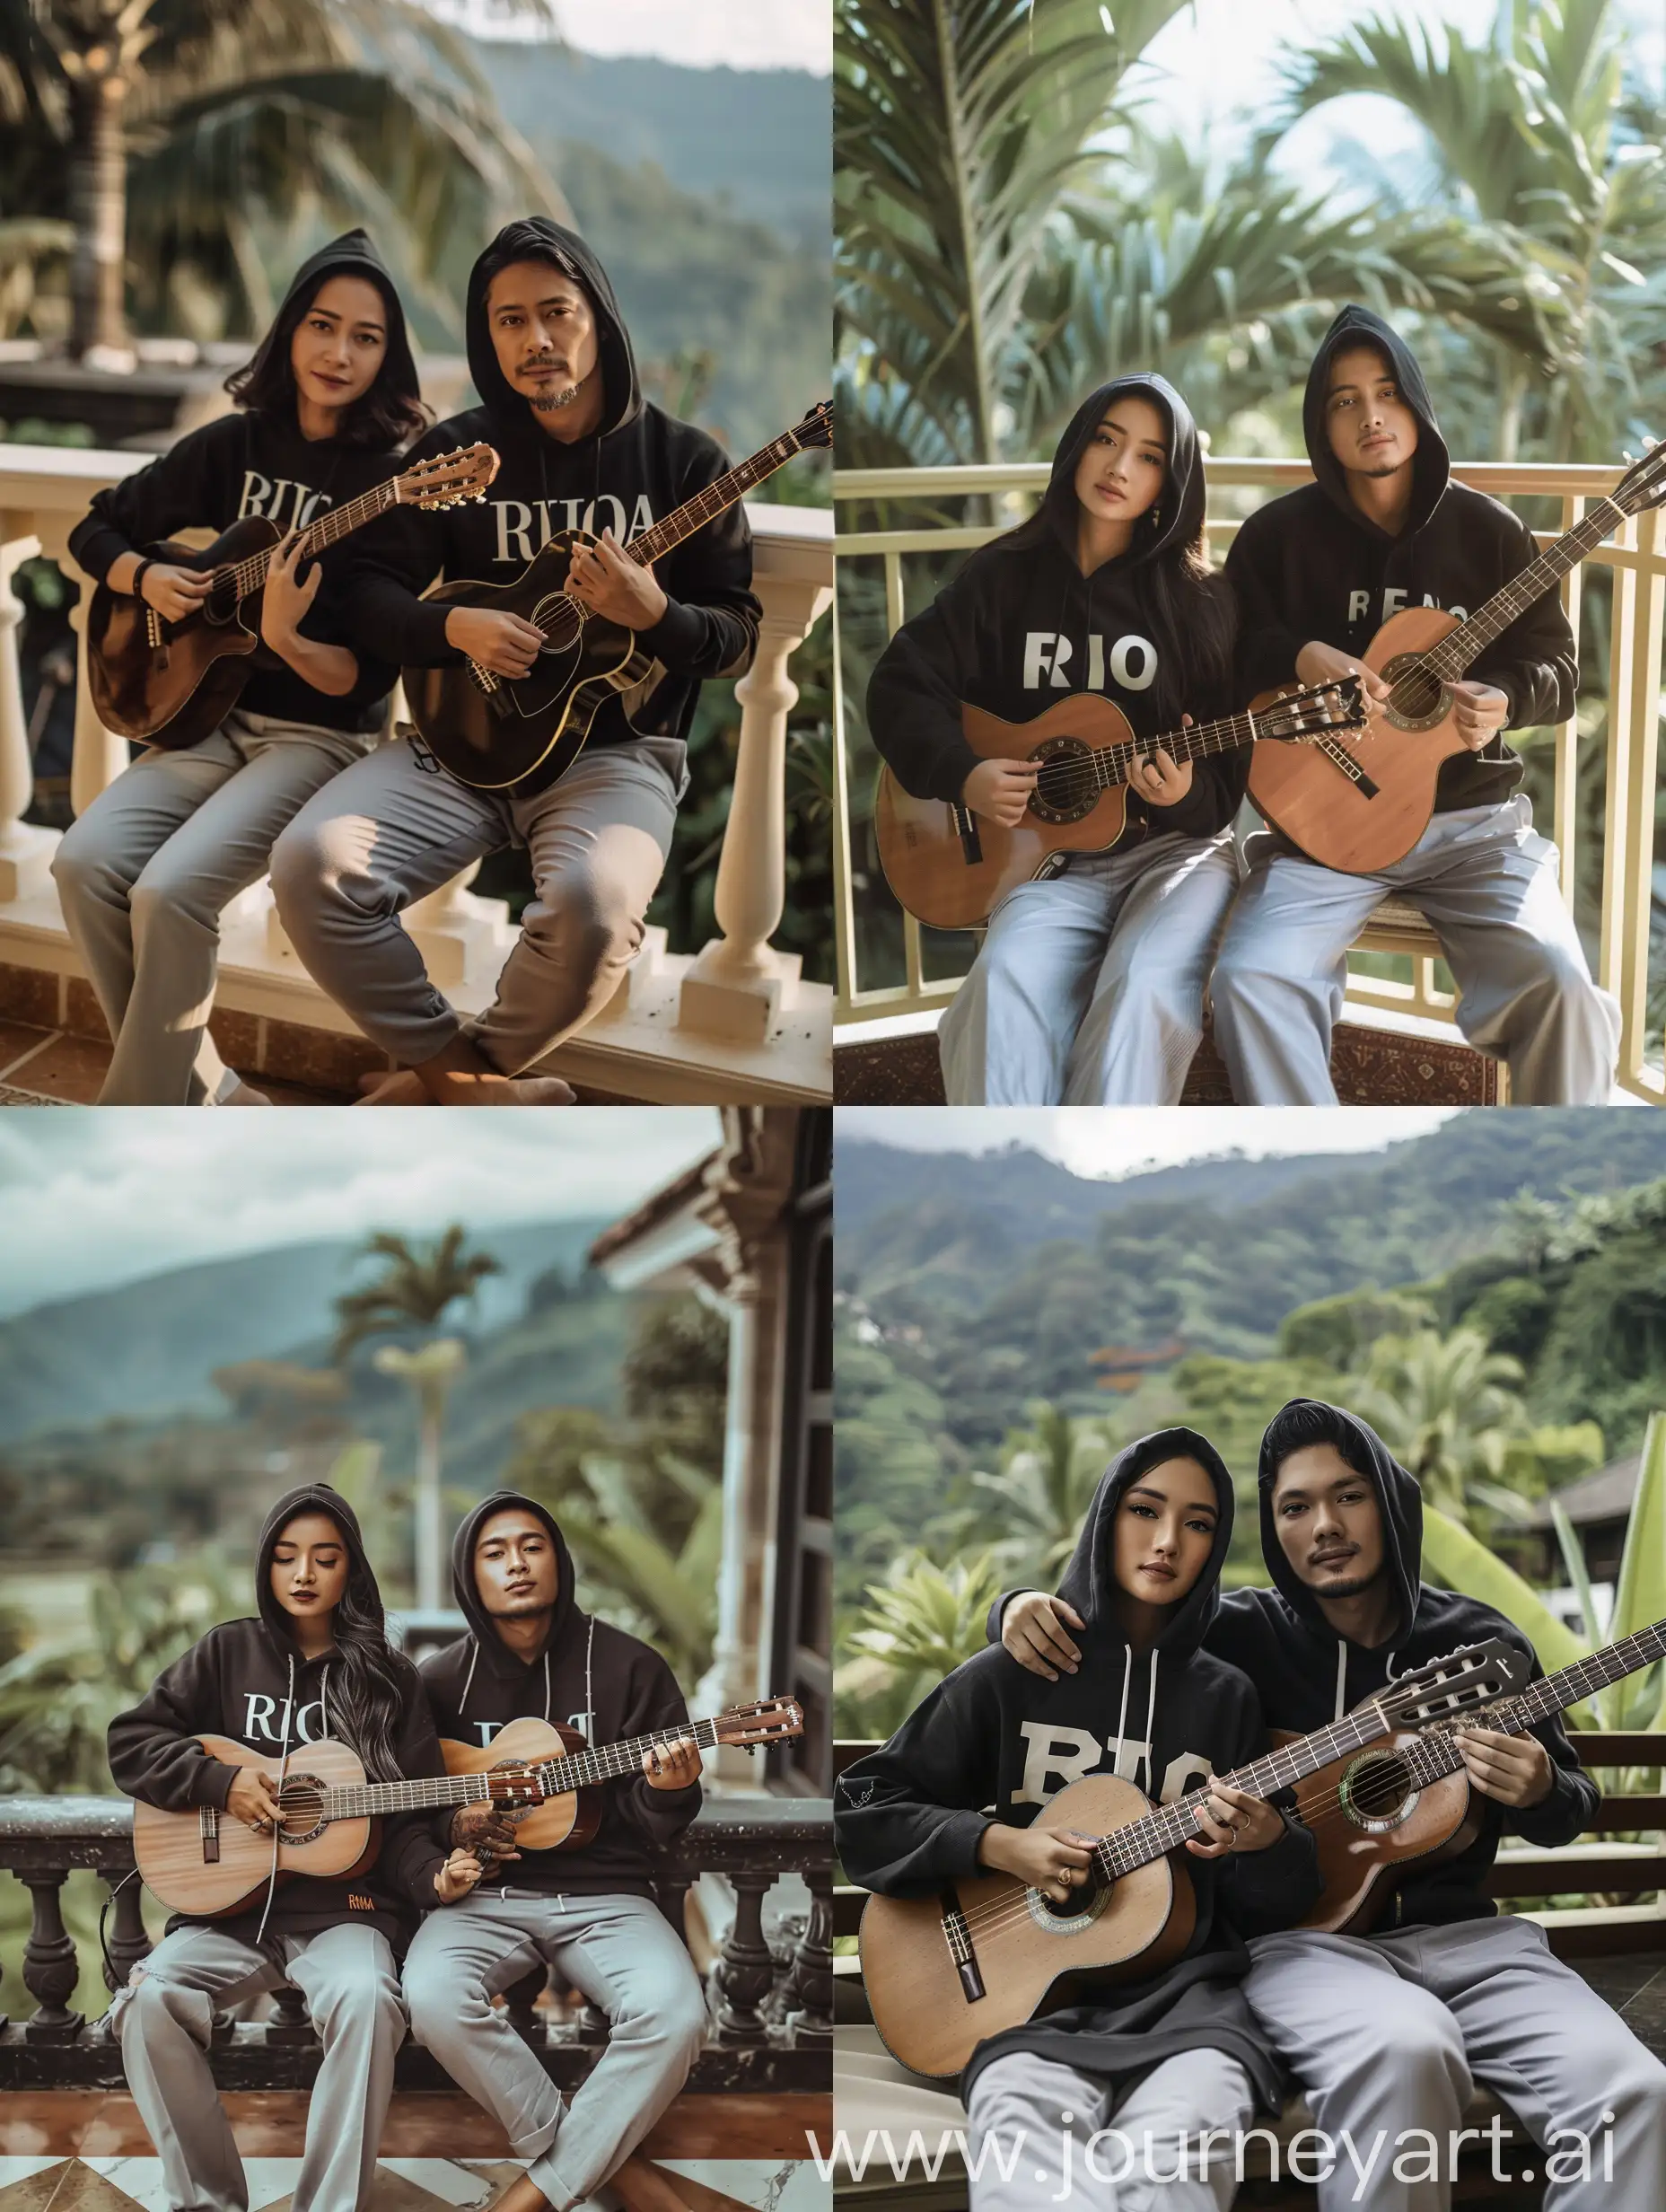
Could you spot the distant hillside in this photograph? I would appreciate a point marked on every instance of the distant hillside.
(150, 1349)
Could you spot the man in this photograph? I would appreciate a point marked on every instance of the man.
(1388, 2031)
(1317, 575)
(589, 1911)
(580, 450)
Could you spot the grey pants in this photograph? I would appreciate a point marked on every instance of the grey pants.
(1486, 883)
(144, 872)
(1389, 2033)
(1059, 2111)
(392, 829)
(623, 1953)
(163, 2019)
(1089, 988)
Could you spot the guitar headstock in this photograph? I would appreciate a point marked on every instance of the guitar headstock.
(817, 427)
(1317, 710)
(771, 1720)
(517, 1783)
(1462, 1682)
(1644, 484)
(449, 478)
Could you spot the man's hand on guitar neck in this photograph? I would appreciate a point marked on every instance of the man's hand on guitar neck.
(1515, 1769)
(672, 1766)
(604, 578)
(503, 643)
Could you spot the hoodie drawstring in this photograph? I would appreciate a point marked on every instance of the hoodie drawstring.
(278, 1826)
(1151, 1720)
(545, 1685)
(463, 1702)
(1342, 1677)
(1127, 1677)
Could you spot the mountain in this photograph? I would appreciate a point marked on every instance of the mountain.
(149, 1350)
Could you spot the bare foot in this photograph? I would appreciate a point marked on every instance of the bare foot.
(461, 1087)
(394, 1087)
(245, 1094)
(522, 2196)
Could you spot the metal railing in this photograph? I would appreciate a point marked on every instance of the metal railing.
(891, 970)
(770, 1990)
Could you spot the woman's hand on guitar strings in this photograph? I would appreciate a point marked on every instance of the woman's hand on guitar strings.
(504, 642)
(1233, 1821)
(253, 1800)
(1053, 1860)
(1481, 711)
(999, 790)
(458, 1876)
(672, 1766)
(602, 576)
(1158, 780)
(485, 1828)
(1515, 1769)
(174, 592)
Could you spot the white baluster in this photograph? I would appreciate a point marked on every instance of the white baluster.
(25, 850)
(739, 983)
(100, 755)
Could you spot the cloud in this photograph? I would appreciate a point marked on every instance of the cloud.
(96, 1199)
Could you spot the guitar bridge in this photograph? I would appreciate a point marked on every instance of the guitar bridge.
(155, 636)
(483, 679)
(209, 1823)
(965, 824)
(1340, 757)
(959, 1940)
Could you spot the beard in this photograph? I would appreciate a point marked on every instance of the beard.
(547, 402)
(518, 1607)
(1350, 1588)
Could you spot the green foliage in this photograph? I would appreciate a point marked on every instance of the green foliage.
(1032, 1511)
(416, 1288)
(1340, 1331)
(916, 1627)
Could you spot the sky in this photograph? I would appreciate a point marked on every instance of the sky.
(1116, 1141)
(93, 1201)
(701, 34)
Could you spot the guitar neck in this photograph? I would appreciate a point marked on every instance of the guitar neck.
(361, 1801)
(684, 520)
(1438, 1755)
(1113, 764)
(1455, 653)
(318, 537)
(1167, 1827)
(607, 1761)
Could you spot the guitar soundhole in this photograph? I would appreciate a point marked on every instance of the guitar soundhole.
(1377, 1793)
(558, 618)
(1067, 1915)
(1067, 789)
(302, 1800)
(1418, 699)
(220, 607)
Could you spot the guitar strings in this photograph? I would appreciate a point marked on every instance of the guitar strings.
(1064, 782)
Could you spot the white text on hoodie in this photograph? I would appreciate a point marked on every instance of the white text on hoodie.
(1047, 653)
(1052, 1750)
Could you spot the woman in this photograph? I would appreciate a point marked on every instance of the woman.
(316, 1663)
(1089, 988)
(328, 401)
(1161, 2059)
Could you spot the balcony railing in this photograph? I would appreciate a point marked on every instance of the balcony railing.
(733, 1021)
(892, 971)
(770, 1989)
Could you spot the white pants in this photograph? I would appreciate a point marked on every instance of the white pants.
(144, 875)
(1389, 2033)
(1486, 881)
(1152, 2144)
(1089, 988)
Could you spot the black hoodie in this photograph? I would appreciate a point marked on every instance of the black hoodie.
(589, 1676)
(1020, 626)
(627, 476)
(910, 1817)
(1307, 1675)
(255, 462)
(247, 1679)
(1310, 565)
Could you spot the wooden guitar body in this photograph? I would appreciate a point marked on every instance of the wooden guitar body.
(1363, 819)
(171, 683)
(571, 1820)
(210, 1864)
(950, 868)
(1370, 1822)
(496, 737)
(932, 2011)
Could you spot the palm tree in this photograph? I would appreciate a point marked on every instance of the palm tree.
(175, 134)
(1037, 1502)
(415, 1291)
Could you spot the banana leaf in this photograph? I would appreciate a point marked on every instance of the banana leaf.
(1465, 1564)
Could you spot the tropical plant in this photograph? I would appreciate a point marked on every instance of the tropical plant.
(1032, 1510)
(431, 1370)
(175, 135)
(415, 1290)
(915, 1627)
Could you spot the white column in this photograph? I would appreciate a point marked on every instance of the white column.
(100, 755)
(739, 983)
(25, 850)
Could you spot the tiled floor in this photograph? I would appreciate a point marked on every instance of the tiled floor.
(86, 2151)
(51, 1067)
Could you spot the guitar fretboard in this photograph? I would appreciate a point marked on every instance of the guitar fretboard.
(1455, 652)
(336, 524)
(555, 1777)
(1113, 764)
(1437, 1754)
(578, 1770)
(684, 520)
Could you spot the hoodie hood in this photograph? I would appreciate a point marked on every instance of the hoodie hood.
(1399, 1497)
(314, 1497)
(1430, 467)
(1180, 504)
(1089, 1582)
(496, 1652)
(535, 238)
(351, 255)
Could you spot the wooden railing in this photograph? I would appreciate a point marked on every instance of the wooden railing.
(732, 1021)
(770, 1989)
(895, 977)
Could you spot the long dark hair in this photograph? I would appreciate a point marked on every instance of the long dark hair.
(383, 418)
(370, 1684)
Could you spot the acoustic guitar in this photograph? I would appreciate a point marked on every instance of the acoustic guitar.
(171, 683)
(564, 1773)
(944, 1973)
(1407, 1801)
(1358, 803)
(950, 867)
(209, 1864)
(501, 732)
